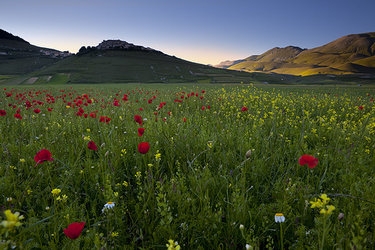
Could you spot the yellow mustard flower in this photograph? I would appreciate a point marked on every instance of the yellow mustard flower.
(114, 234)
(157, 156)
(173, 245)
(12, 220)
(327, 210)
(322, 204)
(56, 191)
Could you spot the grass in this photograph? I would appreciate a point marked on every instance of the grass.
(121, 66)
(195, 185)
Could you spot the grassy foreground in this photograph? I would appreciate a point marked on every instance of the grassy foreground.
(225, 167)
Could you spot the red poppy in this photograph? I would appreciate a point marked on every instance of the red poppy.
(92, 146)
(161, 105)
(143, 147)
(138, 119)
(360, 107)
(3, 112)
(37, 111)
(310, 160)
(74, 230)
(141, 131)
(18, 116)
(42, 156)
(93, 115)
(244, 109)
(104, 119)
(116, 103)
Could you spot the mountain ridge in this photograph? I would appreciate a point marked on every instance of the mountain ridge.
(351, 54)
(111, 61)
(117, 61)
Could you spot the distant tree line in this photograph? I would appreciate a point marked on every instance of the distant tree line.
(84, 50)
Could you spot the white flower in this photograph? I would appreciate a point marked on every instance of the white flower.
(248, 247)
(279, 218)
(108, 205)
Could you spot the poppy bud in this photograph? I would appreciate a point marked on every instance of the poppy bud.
(248, 154)
(340, 217)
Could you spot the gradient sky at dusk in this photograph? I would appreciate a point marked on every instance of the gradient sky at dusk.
(203, 31)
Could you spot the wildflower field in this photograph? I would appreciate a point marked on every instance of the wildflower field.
(187, 167)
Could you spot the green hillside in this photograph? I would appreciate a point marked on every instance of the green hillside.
(119, 65)
(112, 61)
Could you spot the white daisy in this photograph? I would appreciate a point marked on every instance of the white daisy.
(108, 205)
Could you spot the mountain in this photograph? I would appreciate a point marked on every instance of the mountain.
(351, 54)
(8, 36)
(226, 64)
(18, 56)
(116, 61)
(111, 61)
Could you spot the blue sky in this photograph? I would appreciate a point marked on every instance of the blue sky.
(203, 31)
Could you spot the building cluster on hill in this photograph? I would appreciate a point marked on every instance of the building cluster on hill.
(118, 44)
(54, 53)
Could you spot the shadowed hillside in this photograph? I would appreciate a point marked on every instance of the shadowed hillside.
(18, 56)
(117, 61)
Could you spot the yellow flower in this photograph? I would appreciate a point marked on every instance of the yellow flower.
(64, 198)
(173, 245)
(157, 155)
(328, 210)
(22, 160)
(12, 220)
(138, 174)
(317, 203)
(325, 198)
(56, 191)
(322, 204)
(114, 234)
(123, 152)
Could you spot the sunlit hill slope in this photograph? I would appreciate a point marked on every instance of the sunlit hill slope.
(352, 54)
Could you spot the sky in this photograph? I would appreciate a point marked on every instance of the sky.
(202, 31)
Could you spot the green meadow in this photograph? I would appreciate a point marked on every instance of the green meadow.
(151, 166)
